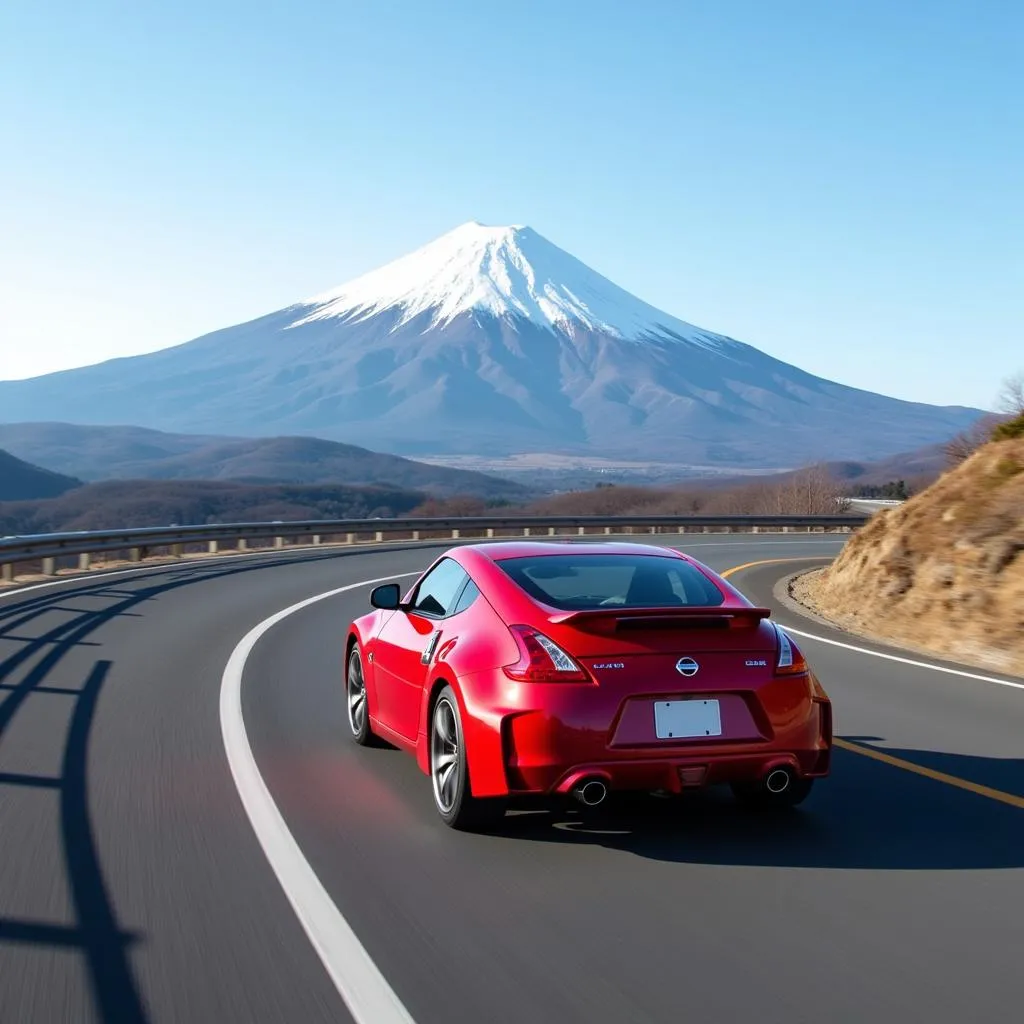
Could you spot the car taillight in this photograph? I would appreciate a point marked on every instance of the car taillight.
(541, 660)
(790, 660)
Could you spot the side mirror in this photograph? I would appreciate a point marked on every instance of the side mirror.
(387, 596)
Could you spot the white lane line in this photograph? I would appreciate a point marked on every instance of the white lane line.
(905, 661)
(367, 994)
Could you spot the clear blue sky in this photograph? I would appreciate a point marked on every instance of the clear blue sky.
(840, 183)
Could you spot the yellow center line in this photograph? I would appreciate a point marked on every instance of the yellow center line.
(897, 762)
(929, 773)
(773, 561)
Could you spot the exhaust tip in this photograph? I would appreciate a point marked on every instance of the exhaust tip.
(778, 780)
(591, 793)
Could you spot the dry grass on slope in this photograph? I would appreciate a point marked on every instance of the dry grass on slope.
(942, 573)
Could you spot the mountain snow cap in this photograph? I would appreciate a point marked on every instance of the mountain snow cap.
(506, 271)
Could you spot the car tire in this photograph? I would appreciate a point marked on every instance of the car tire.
(757, 796)
(449, 771)
(355, 700)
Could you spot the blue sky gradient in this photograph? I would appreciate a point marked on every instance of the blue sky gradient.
(840, 184)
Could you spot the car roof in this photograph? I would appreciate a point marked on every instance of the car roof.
(482, 561)
(497, 551)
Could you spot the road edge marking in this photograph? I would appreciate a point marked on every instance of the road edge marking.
(867, 650)
(930, 773)
(908, 661)
(359, 982)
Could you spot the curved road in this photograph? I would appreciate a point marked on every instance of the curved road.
(133, 887)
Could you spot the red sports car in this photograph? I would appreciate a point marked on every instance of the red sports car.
(554, 668)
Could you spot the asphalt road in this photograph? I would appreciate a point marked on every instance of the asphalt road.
(132, 885)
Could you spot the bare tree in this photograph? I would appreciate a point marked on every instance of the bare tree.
(811, 492)
(1011, 396)
(961, 447)
(456, 505)
(1010, 403)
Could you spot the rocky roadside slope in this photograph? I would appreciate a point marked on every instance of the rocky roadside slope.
(944, 572)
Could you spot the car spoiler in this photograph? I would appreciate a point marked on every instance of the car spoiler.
(691, 616)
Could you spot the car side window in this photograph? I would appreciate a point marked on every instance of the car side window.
(436, 594)
(469, 594)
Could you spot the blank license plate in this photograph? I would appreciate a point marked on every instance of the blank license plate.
(686, 718)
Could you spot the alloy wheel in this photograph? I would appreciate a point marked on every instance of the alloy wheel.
(356, 688)
(444, 756)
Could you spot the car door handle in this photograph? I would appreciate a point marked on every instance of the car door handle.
(428, 651)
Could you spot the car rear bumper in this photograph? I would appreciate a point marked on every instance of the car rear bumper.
(547, 742)
(672, 774)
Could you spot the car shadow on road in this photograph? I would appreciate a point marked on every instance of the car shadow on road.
(866, 814)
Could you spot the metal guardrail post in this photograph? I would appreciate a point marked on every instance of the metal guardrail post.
(84, 561)
(50, 566)
(7, 572)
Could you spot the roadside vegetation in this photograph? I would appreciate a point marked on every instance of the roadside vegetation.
(811, 491)
(126, 503)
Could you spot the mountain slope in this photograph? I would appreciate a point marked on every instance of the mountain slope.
(108, 453)
(491, 341)
(21, 480)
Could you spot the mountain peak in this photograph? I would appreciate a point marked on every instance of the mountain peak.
(505, 271)
(476, 225)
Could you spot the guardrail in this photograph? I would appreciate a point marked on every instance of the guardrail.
(48, 551)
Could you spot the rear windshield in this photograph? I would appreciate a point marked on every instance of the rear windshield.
(574, 582)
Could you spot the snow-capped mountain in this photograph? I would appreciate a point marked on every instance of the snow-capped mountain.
(490, 341)
(510, 272)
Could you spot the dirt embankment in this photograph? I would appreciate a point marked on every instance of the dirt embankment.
(942, 573)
